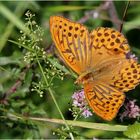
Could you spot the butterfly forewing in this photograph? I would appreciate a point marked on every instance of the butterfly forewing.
(106, 44)
(72, 41)
(104, 99)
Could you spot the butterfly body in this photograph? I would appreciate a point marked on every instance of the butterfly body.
(104, 69)
(102, 60)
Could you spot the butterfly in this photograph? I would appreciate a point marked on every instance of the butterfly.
(103, 61)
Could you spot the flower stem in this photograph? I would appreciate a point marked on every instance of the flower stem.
(89, 125)
(52, 95)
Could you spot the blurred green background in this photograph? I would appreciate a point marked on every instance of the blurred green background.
(12, 19)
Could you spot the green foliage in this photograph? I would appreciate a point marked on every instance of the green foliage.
(36, 87)
(133, 131)
(67, 8)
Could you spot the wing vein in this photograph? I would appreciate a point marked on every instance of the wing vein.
(98, 91)
(75, 49)
(80, 51)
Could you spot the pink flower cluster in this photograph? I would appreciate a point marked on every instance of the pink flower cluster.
(131, 110)
(130, 55)
(80, 102)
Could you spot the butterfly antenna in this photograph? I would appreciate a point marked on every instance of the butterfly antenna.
(124, 15)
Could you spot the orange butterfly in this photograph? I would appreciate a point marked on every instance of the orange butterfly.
(100, 59)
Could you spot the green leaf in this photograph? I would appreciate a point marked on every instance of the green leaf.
(13, 18)
(18, 104)
(15, 58)
(28, 135)
(135, 9)
(39, 112)
(61, 8)
(9, 28)
(120, 139)
(133, 131)
(8, 60)
(135, 23)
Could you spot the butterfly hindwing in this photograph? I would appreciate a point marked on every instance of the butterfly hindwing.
(103, 99)
(128, 77)
(123, 74)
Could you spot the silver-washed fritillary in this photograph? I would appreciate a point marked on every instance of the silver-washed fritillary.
(100, 59)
